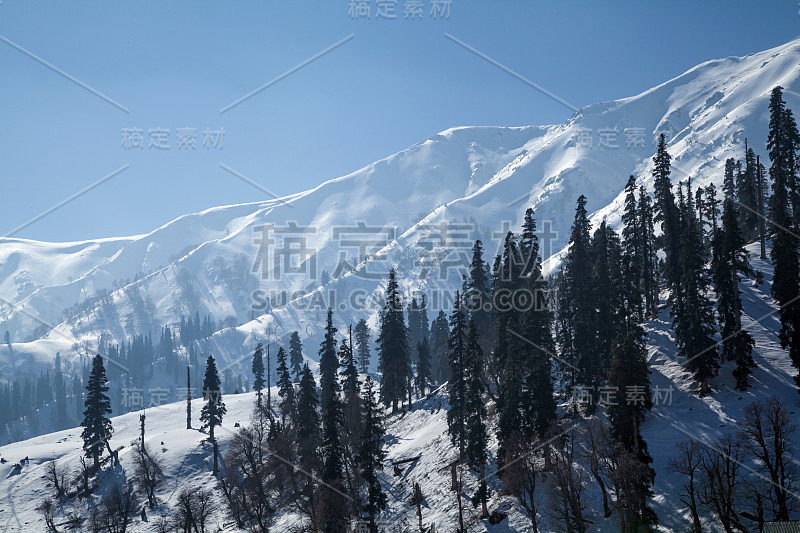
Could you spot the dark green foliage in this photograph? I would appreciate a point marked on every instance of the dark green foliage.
(423, 377)
(258, 372)
(96, 425)
(362, 337)
(393, 348)
(286, 393)
(371, 453)
(296, 355)
(328, 361)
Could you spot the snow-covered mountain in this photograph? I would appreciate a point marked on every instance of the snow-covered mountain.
(186, 455)
(418, 211)
(477, 181)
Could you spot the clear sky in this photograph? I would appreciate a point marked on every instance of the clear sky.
(177, 64)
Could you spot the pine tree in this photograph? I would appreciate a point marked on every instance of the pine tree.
(423, 377)
(693, 313)
(296, 355)
(308, 423)
(214, 408)
(328, 361)
(393, 348)
(258, 373)
(96, 425)
(577, 306)
(730, 258)
(362, 336)
(633, 251)
(332, 511)
(456, 413)
(629, 376)
(285, 390)
(440, 333)
(413, 327)
(371, 453)
(747, 193)
(475, 436)
(666, 212)
(782, 144)
(648, 254)
(351, 393)
(477, 296)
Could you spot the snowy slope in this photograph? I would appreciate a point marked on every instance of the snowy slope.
(424, 432)
(484, 177)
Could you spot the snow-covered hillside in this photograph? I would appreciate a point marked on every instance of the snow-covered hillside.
(482, 178)
(679, 414)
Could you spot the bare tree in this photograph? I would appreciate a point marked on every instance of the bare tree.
(565, 481)
(118, 507)
(523, 481)
(148, 472)
(687, 463)
(720, 482)
(766, 430)
(56, 475)
(595, 445)
(194, 510)
(47, 508)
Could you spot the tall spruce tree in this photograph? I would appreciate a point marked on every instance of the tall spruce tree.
(782, 144)
(296, 355)
(332, 511)
(308, 426)
(747, 196)
(363, 338)
(577, 307)
(214, 408)
(693, 313)
(729, 259)
(629, 376)
(648, 254)
(476, 438)
(393, 348)
(351, 394)
(633, 251)
(456, 413)
(423, 377)
(477, 296)
(96, 425)
(371, 453)
(258, 372)
(286, 393)
(440, 333)
(328, 360)
(666, 212)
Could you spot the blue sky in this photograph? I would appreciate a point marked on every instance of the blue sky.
(175, 65)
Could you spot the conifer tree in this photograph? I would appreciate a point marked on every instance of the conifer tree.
(285, 390)
(648, 254)
(693, 313)
(351, 394)
(477, 296)
(456, 414)
(666, 212)
(782, 144)
(423, 378)
(332, 512)
(730, 258)
(96, 425)
(371, 453)
(633, 251)
(214, 408)
(414, 328)
(746, 194)
(362, 337)
(628, 376)
(440, 333)
(258, 373)
(308, 425)
(328, 360)
(393, 348)
(296, 355)
(577, 306)
(476, 439)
